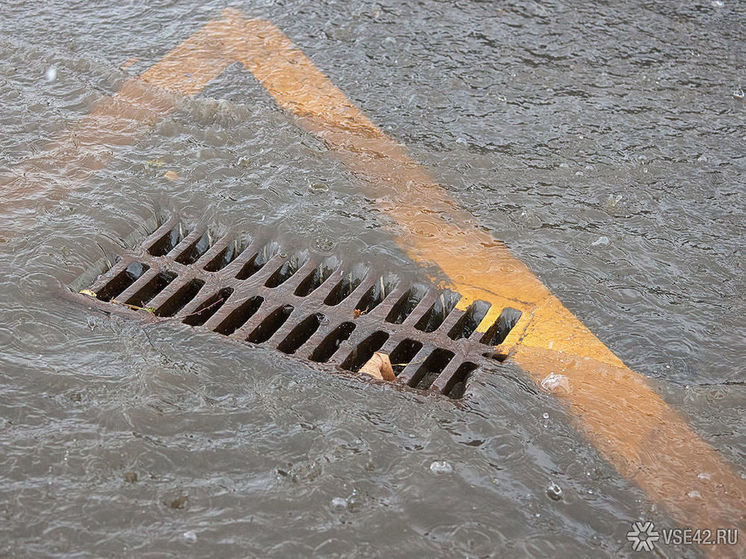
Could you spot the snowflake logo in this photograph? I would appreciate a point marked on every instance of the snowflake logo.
(643, 536)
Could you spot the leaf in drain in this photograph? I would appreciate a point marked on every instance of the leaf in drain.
(87, 292)
(379, 366)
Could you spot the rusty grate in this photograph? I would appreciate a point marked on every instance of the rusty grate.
(318, 310)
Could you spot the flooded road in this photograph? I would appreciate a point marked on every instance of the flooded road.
(603, 144)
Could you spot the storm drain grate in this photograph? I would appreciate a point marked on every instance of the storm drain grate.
(314, 309)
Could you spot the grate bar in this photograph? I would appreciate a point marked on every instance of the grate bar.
(211, 255)
(126, 295)
(384, 308)
(252, 250)
(173, 294)
(422, 307)
(161, 234)
(181, 248)
(292, 283)
(450, 321)
(295, 336)
(446, 376)
(419, 358)
(315, 341)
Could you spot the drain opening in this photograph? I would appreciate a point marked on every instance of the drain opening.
(301, 333)
(314, 280)
(178, 300)
(469, 321)
(346, 286)
(331, 343)
(497, 333)
(287, 270)
(438, 312)
(406, 304)
(208, 308)
(403, 354)
(224, 257)
(119, 283)
(239, 316)
(375, 295)
(168, 242)
(365, 350)
(258, 261)
(151, 289)
(270, 325)
(431, 368)
(457, 384)
(194, 251)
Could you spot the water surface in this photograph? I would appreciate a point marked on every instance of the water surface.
(603, 143)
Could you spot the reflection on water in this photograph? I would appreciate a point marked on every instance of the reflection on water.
(555, 126)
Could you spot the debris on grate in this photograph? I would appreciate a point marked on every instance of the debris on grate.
(317, 310)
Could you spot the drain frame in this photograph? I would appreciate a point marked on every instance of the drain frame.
(216, 298)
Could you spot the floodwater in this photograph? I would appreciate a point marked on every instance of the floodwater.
(603, 142)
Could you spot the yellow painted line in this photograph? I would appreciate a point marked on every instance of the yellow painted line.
(121, 119)
(626, 420)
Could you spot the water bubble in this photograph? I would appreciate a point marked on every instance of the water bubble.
(190, 536)
(694, 495)
(738, 93)
(441, 467)
(600, 241)
(718, 3)
(324, 244)
(530, 219)
(339, 503)
(555, 383)
(554, 491)
(354, 501)
(545, 415)
(51, 74)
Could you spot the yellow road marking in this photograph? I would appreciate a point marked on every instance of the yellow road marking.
(631, 426)
(128, 63)
(122, 118)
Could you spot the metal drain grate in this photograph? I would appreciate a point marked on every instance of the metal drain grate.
(315, 309)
